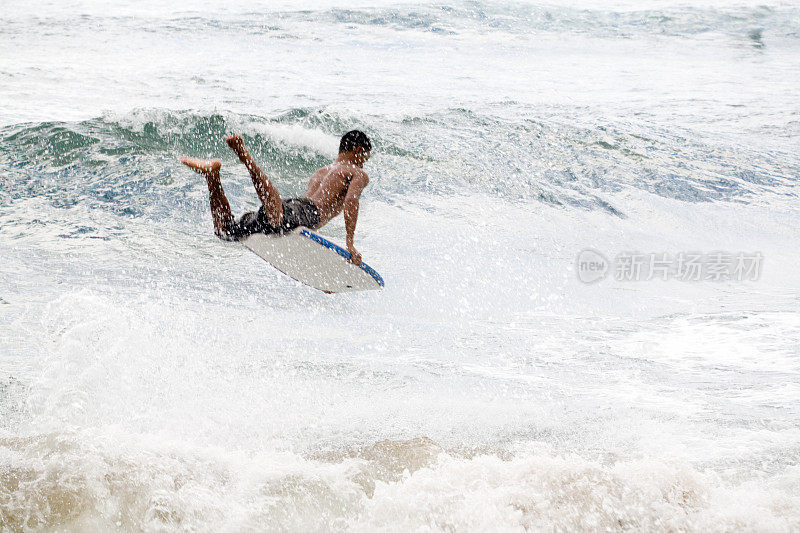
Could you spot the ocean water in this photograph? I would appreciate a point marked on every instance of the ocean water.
(153, 378)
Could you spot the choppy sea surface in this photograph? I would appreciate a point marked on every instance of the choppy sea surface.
(153, 378)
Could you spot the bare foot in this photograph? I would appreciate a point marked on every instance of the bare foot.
(236, 143)
(206, 167)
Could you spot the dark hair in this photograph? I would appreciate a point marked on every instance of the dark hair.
(352, 140)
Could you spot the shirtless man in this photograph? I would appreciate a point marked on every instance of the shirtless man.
(331, 190)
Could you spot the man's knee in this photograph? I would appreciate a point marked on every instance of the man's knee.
(225, 229)
(226, 236)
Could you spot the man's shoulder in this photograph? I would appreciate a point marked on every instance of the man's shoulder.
(346, 171)
(355, 172)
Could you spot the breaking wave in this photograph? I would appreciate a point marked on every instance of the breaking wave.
(128, 164)
(100, 482)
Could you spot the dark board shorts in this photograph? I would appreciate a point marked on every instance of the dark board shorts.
(296, 212)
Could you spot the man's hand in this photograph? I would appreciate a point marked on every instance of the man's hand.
(356, 257)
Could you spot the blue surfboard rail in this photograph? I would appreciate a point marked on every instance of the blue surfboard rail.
(341, 251)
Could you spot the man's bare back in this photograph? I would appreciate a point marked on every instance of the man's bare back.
(331, 190)
(337, 187)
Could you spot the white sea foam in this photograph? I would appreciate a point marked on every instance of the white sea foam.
(293, 135)
(96, 482)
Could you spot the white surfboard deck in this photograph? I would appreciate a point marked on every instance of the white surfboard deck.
(314, 261)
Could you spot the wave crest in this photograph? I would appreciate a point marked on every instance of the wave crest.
(88, 482)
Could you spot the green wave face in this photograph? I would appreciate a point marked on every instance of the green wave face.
(128, 164)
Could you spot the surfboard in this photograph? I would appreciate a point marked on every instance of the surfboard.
(314, 261)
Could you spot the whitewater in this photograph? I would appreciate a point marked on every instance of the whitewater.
(154, 378)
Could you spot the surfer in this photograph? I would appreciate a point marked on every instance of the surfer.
(332, 189)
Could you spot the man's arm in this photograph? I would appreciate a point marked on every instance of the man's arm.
(357, 183)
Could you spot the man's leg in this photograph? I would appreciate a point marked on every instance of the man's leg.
(220, 208)
(267, 193)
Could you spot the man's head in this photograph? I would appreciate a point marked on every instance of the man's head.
(357, 143)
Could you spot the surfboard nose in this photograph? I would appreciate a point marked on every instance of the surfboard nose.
(314, 261)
